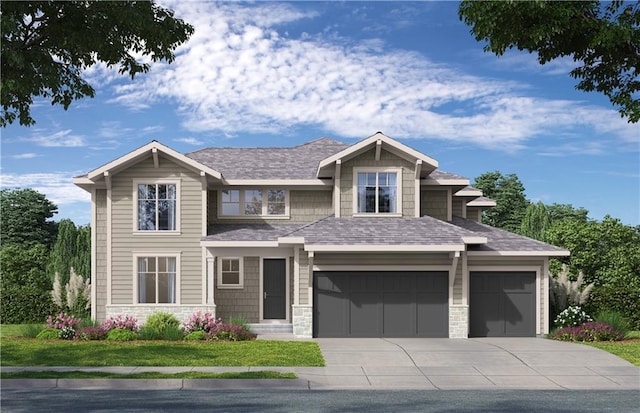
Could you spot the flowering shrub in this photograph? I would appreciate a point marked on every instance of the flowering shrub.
(200, 322)
(572, 316)
(229, 332)
(121, 322)
(591, 331)
(67, 333)
(91, 333)
(62, 320)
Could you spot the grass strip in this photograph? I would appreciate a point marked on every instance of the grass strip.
(48, 374)
(628, 350)
(32, 352)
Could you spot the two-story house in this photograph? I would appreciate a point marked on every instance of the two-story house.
(323, 239)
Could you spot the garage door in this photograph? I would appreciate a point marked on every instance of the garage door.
(502, 304)
(380, 304)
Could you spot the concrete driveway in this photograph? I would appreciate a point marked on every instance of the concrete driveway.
(487, 363)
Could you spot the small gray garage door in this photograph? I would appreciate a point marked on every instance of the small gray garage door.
(380, 304)
(502, 304)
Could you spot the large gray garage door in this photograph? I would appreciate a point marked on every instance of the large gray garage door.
(502, 304)
(380, 304)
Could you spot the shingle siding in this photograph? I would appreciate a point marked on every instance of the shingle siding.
(101, 253)
(433, 203)
(387, 159)
(244, 302)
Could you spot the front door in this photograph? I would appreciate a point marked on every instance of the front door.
(274, 292)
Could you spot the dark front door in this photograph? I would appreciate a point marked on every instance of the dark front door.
(380, 304)
(274, 292)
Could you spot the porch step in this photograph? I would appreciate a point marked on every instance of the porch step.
(272, 328)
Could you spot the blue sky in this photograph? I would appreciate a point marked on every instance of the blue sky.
(281, 74)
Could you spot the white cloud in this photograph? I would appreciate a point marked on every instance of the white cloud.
(190, 141)
(239, 74)
(57, 186)
(113, 129)
(63, 138)
(29, 155)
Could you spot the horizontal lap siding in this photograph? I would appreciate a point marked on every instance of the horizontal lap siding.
(387, 159)
(187, 244)
(386, 259)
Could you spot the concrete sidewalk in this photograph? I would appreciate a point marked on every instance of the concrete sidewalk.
(427, 364)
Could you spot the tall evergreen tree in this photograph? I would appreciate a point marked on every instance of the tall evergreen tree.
(26, 217)
(511, 203)
(64, 251)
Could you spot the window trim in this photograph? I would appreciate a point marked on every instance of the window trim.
(219, 284)
(354, 188)
(265, 204)
(136, 182)
(155, 254)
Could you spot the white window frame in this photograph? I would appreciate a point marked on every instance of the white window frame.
(220, 284)
(137, 182)
(397, 171)
(136, 286)
(265, 204)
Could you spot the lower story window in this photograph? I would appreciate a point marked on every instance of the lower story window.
(230, 273)
(157, 280)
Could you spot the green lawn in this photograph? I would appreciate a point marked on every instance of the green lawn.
(47, 374)
(628, 349)
(31, 352)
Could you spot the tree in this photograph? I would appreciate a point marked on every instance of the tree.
(536, 221)
(508, 192)
(25, 218)
(64, 251)
(24, 286)
(558, 212)
(47, 44)
(607, 252)
(604, 37)
(81, 262)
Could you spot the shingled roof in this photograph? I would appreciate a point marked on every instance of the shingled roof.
(297, 162)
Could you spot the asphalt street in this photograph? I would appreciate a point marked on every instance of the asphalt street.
(519, 401)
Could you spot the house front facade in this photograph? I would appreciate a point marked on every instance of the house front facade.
(323, 239)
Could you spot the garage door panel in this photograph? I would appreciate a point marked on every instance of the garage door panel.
(331, 316)
(393, 304)
(502, 304)
(432, 315)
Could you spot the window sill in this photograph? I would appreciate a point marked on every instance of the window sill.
(152, 304)
(251, 217)
(230, 287)
(377, 215)
(156, 233)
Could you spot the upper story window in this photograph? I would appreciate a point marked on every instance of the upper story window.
(378, 191)
(157, 206)
(270, 203)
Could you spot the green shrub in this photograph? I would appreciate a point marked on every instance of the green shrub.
(161, 321)
(118, 334)
(169, 333)
(173, 334)
(30, 330)
(48, 334)
(149, 333)
(623, 299)
(615, 320)
(240, 321)
(196, 335)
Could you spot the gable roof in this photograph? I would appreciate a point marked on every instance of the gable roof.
(297, 162)
(380, 141)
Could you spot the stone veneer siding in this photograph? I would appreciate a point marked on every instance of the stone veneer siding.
(302, 321)
(182, 312)
(458, 321)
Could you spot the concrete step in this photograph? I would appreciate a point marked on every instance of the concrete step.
(262, 328)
